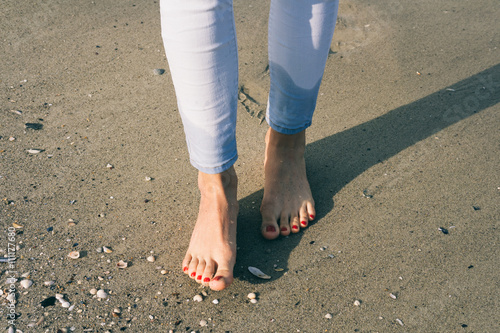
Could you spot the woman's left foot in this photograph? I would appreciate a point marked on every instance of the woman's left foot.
(288, 204)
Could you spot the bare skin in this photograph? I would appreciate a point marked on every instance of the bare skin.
(211, 254)
(287, 206)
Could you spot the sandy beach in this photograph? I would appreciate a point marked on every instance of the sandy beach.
(403, 160)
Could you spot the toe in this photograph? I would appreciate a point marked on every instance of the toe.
(185, 263)
(285, 225)
(193, 265)
(304, 216)
(208, 273)
(269, 228)
(311, 212)
(200, 269)
(223, 278)
(295, 224)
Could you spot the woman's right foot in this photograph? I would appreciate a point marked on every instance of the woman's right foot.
(211, 254)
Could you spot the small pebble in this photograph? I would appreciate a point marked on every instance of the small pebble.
(215, 301)
(65, 304)
(203, 323)
(158, 71)
(253, 300)
(12, 138)
(198, 298)
(99, 250)
(93, 291)
(328, 316)
(109, 166)
(151, 258)
(204, 293)
(163, 271)
(49, 283)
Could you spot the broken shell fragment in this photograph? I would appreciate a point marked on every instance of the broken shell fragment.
(106, 249)
(74, 254)
(121, 264)
(49, 283)
(198, 298)
(26, 283)
(33, 151)
(252, 296)
(101, 294)
(258, 273)
(93, 291)
(151, 258)
(17, 226)
(357, 303)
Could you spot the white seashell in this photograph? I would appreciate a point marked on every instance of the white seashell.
(357, 303)
(26, 283)
(253, 301)
(25, 275)
(198, 298)
(33, 151)
(74, 254)
(151, 258)
(204, 293)
(203, 323)
(109, 166)
(59, 297)
(258, 273)
(71, 307)
(49, 283)
(252, 296)
(163, 271)
(400, 322)
(391, 295)
(117, 311)
(328, 316)
(101, 294)
(121, 264)
(215, 301)
(12, 138)
(147, 179)
(106, 249)
(93, 291)
(65, 304)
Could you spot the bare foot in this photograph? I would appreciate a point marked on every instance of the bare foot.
(287, 196)
(211, 254)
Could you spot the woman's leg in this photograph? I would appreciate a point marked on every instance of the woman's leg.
(300, 34)
(200, 44)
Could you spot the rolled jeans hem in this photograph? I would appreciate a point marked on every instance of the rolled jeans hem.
(287, 131)
(217, 169)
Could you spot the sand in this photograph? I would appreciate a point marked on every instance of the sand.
(404, 141)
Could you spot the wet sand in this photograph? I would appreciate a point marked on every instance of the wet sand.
(404, 142)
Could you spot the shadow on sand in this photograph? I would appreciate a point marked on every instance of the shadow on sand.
(336, 160)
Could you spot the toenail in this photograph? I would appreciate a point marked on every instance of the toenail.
(198, 277)
(311, 216)
(295, 227)
(185, 269)
(270, 228)
(217, 278)
(284, 229)
(193, 274)
(207, 279)
(303, 223)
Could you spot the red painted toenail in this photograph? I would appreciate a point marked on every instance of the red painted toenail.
(303, 223)
(207, 279)
(295, 227)
(284, 228)
(185, 269)
(193, 274)
(198, 277)
(270, 228)
(311, 216)
(217, 278)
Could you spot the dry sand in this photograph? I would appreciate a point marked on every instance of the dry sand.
(405, 140)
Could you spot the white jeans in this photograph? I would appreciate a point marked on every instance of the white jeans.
(200, 43)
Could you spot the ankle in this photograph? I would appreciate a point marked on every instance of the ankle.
(287, 141)
(219, 181)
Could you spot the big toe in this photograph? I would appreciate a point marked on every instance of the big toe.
(222, 279)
